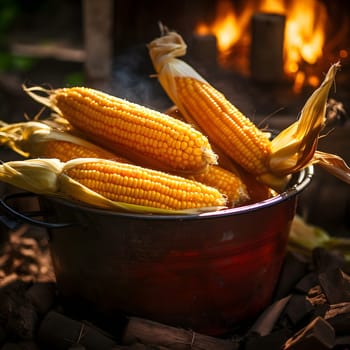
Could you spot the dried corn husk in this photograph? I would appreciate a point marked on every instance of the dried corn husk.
(28, 138)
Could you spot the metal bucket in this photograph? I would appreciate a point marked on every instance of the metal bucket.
(205, 272)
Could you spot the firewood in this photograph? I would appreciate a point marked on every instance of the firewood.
(318, 334)
(339, 317)
(316, 296)
(267, 320)
(71, 333)
(153, 333)
(293, 269)
(298, 309)
(336, 285)
(309, 281)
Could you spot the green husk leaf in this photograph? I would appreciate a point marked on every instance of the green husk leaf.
(305, 237)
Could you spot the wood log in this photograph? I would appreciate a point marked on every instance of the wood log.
(336, 285)
(339, 317)
(298, 309)
(318, 334)
(71, 333)
(309, 281)
(294, 268)
(154, 333)
(267, 320)
(266, 57)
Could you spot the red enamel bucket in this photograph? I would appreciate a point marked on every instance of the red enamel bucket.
(206, 272)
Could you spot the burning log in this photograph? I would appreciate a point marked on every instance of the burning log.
(266, 59)
(154, 333)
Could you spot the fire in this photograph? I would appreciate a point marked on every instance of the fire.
(304, 39)
(304, 33)
(228, 26)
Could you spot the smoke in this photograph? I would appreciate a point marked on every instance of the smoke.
(133, 79)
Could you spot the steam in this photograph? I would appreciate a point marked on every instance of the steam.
(134, 79)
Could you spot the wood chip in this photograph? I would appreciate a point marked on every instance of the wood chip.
(336, 285)
(318, 334)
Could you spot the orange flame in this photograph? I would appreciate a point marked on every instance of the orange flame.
(304, 36)
(228, 27)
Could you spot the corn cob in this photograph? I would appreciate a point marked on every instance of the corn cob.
(227, 182)
(227, 128)
(233, 132)
(113, 185)
(37, 139)
(143, 135)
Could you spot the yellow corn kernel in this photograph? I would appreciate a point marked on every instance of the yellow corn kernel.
(227, 182)
(224, 124)
(132, 184)
(141, 134)
(65, 150)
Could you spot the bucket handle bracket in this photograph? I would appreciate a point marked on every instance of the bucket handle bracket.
(15, 218)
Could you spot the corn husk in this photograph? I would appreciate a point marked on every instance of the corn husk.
(48, 177)
(28, 138)
(294, 147)
(305, 237)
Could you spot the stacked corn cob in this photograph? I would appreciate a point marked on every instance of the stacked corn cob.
(126, 156)
(203, 186)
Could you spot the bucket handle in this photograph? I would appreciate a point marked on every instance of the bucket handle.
(18, 218)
